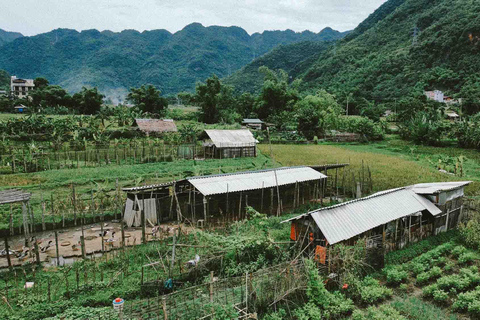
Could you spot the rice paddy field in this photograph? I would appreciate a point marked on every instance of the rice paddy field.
(393, 163)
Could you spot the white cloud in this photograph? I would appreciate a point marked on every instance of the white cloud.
(33, 16)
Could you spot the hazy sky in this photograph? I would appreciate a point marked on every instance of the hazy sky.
(36, 16)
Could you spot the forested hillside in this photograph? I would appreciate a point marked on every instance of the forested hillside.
(117, 61)
(405, 47)
(6, 36)
(294, 58)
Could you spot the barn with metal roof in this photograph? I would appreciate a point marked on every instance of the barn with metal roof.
(220, 144)
(225, 196)
(389, 219)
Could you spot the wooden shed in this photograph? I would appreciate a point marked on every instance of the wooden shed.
(388, 220)
(224, 196)
(221, 144)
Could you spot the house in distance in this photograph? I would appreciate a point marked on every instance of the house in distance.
(156, 126)
(255, 124)
(21, 87)
(221, 144)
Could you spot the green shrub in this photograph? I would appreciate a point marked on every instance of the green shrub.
(449, 266)
(466, 257)
(468, 301)
(395, 275)
(458, 250)
(417, 267)
(424, 277)
(372, 292)
(384, 312)
(403, 287)
(428, 290)
(440, 295)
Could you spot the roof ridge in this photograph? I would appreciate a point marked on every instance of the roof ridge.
(244, 172)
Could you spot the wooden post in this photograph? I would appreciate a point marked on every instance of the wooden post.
(8, 254)
(25, 220)
(142, 219)
(227, 202)
(240, 207)
(74, 203)
(43, 213)
(278, 193)
(101, 232)
(56, 245)
(172, 264)
(211, 286)
(409, 229)
(164, 307)
(116, 191)
(205, 211)
(271, 201)
(53, 210)
(37, 252)
(12, 231)
(82, 243)
(261, 202)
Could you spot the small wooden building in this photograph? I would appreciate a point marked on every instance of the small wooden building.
(255, 124)
(221, 144)
(156, 126)
(389, 220)
(224, 196)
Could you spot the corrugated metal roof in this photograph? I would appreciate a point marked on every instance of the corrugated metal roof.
(152, 186)
(254, 121)
(252, 180)
(352, 218)
(437, 187)
(231, 138)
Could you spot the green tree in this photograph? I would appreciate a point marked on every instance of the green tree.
(4, 80)
(148, 99)
(88, 101)
(215, 100)
(317, 113)
(276, 95)
(186, 98)
(40, 83)
(246, 104)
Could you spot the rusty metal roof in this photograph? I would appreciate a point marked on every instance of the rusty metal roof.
(349, 219)
(253, 180)
(156, 125)
(231, 138)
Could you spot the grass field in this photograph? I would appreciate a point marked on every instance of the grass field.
(391, 166)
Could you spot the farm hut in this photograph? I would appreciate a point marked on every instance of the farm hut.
(224, 196)
(389, 220)
(255, 124)
(156, 126)
(452, 115)
(221, 144)
(20, 108)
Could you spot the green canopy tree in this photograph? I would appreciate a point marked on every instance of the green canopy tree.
(88, 101)
(148, 99)
(215, 101)
(40, 83)
(317, 113)
(277, 95)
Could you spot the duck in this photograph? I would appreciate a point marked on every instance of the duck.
(155, 231)
(3, 252)
(111, 239)
(47, 247)
(24, 254)
(103, 234)
(76, 246)
(192, 263)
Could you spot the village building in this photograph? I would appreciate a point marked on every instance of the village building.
(452, 115)
(21, 87)
(221, 144)
(20, 108)
(203, 199)
(156, 126)
(388, 220)
(255, 124)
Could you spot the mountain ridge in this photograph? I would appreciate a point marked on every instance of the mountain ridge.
(116, 61)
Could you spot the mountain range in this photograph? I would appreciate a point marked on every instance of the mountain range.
(402, 49)
(114, 62)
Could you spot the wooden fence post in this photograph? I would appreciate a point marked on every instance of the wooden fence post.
(43, 213)
(8, 254)
(56, 245)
